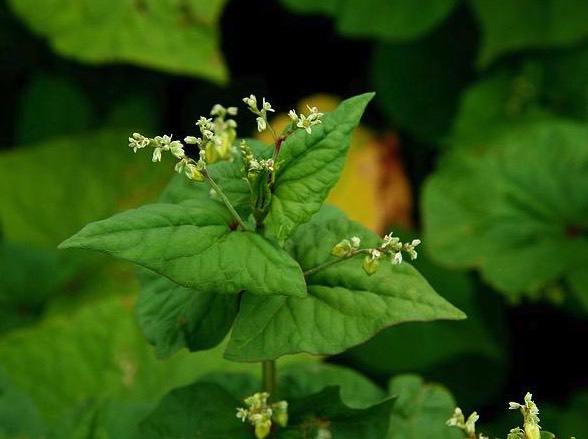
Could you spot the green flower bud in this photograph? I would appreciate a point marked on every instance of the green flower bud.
(262, 429)
(342, 249)
(370, 265)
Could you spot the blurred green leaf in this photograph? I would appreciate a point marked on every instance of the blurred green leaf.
(419, 82)
(347, 306)
(383, 20)
(51, 189)
(528, 24)
(567, 420)
(52, 106)
(178, 37)
(23, 296)
(18, 415)
(93, 353)
(138, 110)
(517, 211)
(420, 410)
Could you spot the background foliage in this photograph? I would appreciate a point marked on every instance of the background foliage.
(476, 141)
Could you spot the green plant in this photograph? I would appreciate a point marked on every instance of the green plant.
(246, 244)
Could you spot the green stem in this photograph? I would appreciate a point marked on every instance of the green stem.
(327, 264)
(269, 378)
(225, 200)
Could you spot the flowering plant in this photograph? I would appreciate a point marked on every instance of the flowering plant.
(242, 242)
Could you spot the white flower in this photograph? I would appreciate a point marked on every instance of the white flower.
(156, 155)
(191, 140)
(261, 124)
(251, 101)
(355, 241)
(266, 106)
(292, 115)
(397, 259)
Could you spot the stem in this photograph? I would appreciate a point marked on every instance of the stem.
(327, 264)
(269, 378)
(225, 200)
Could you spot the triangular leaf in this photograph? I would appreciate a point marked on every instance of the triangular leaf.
(194, 246)
(310, 165)
(344, 306)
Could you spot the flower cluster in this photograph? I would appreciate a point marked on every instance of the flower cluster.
(261, 119)
(217, 137)
(260, 414)
(468, 426)
(530, 412)
(306, 122)
(391, 246)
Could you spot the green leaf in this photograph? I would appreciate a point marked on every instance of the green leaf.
(310, 167)
(528, 24)
(568, 420)
(299, 380)
(344, 306)
(494, 105)
(18, 414)
(51, 189)
(23, 296)
(52, 106)
(426, 346)
(200, 410)
(408, 93)
(385, 21)
(193, 245)
(173, 317)
(421, 410)
(326, 411)
(177, 37)
(93, 353)
(517, 211)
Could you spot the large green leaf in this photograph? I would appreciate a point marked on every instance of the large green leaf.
(93, 353)
(177, 37)
(419, 81)
(51, 189)
(310, 165)
(517, 211)
(173, 317)
(344, 306)
(52, 106)
(194, 246)
(420, 410)
(324, 412)
(419, 347)
(200, 410)
(383, 20)
(528, 24)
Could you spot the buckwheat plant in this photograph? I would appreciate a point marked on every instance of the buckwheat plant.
(242, 249)
(530, 430)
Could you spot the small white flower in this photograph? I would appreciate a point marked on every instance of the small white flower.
(266, 106)
(355, 242)
(251, 101)
(292, 115)
(156, 155)
(261, 124)
(191, 140)
(375, 253)
(397, 259)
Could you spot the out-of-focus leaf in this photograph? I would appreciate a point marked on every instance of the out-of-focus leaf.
(52, 189)
(419, 81)
(18, 415)
(387, 21)
(177, 37)
(346, 305)
(528, 24)
(494, 105)
(373, 188)
(137, 110)
(52, 106)
(568, 420)
(22, 296)
(517, 211)
(421, 410)
(93, 353)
